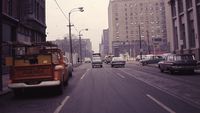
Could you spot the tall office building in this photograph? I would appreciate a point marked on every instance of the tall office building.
(104, 49)
(137, 26)
(185, 19)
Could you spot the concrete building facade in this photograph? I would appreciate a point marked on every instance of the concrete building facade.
(86, 46)
(104, 49)
(185, 20)
(137, 26)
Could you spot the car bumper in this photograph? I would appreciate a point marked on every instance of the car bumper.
(179, 68)
(42, 84)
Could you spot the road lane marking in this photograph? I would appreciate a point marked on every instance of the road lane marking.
(160, 104)
(59, 108)
(85, 74)
(120, 75)
(184, 99)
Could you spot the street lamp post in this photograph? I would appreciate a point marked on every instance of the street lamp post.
(80, 44)
(140, 42)
(70, 35)
(1, 43)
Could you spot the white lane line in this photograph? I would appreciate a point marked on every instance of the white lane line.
(184, 99)
(120, 75)
(59, 108)
(85, 74)
(161, 104)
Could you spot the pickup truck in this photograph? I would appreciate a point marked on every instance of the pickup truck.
(37, 66)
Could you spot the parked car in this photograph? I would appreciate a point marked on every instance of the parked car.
(151, 59)
(69, 65)
(138, 57)
(97, 62)
(37, 66)
(178, 62)
(118, 61)
(87, 60)
(108, 59)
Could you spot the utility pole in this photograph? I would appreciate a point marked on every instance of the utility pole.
(140, 43)
(1, 44)
(70, 41)
(80, 48)
(148, 42)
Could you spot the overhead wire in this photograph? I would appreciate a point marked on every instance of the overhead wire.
(64, 13)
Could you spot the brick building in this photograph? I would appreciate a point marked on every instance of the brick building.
(23, 21)
(135, 23)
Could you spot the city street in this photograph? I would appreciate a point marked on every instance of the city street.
(133, 89)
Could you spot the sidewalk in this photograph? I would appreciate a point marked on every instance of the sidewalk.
(5, 85)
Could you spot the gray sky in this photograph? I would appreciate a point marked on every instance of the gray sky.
(94, 17)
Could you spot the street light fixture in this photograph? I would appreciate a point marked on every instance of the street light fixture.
(80, 45)
(70, 37)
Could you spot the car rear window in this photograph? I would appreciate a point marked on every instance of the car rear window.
(184, 57)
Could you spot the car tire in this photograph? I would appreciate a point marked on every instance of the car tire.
(70, 73)
(171, 72)
(161, 70)
(17, 92)
(191, 71)
(60, 88)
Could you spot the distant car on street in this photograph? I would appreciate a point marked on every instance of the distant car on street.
(108, 59)
(87, 60)
(178, 62)
(118, 62)
(138, 57)
(151, 59)
(97, 62)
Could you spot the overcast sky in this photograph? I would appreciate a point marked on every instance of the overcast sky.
(94, 17)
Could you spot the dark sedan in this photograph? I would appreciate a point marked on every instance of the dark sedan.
(118, 62)
(151, 59)
(178, 62)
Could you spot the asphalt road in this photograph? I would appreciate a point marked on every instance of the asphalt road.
(134, 89)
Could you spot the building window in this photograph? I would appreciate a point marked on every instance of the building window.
(191, 30)
(175, 35)
(188, 4)
(180, 6)
(10, 7)
(125, 9)
(182, 31)
(173, 8)
(198, 16)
